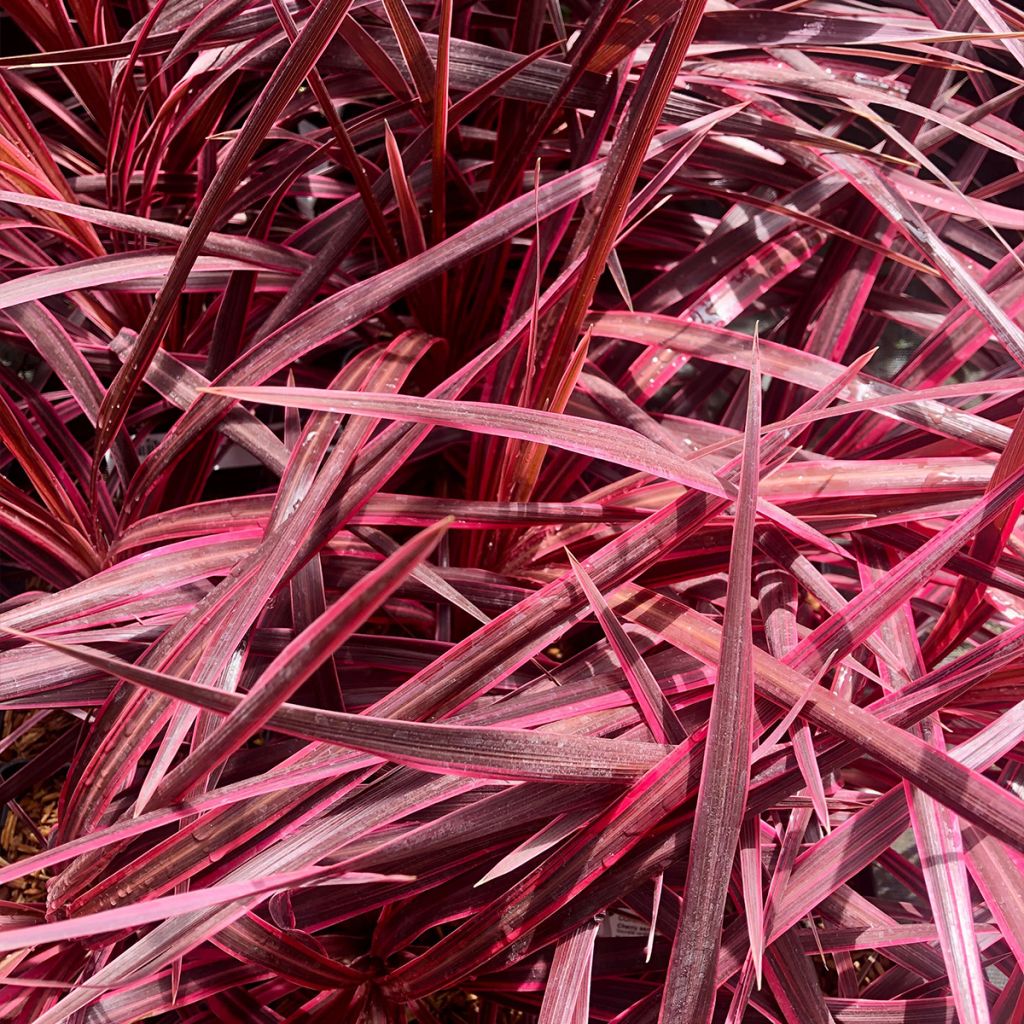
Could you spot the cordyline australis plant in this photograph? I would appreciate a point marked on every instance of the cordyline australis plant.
(510, 510)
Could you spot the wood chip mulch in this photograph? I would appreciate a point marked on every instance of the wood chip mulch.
(20, 833)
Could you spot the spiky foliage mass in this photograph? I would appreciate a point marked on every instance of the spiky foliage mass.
(510, 510)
